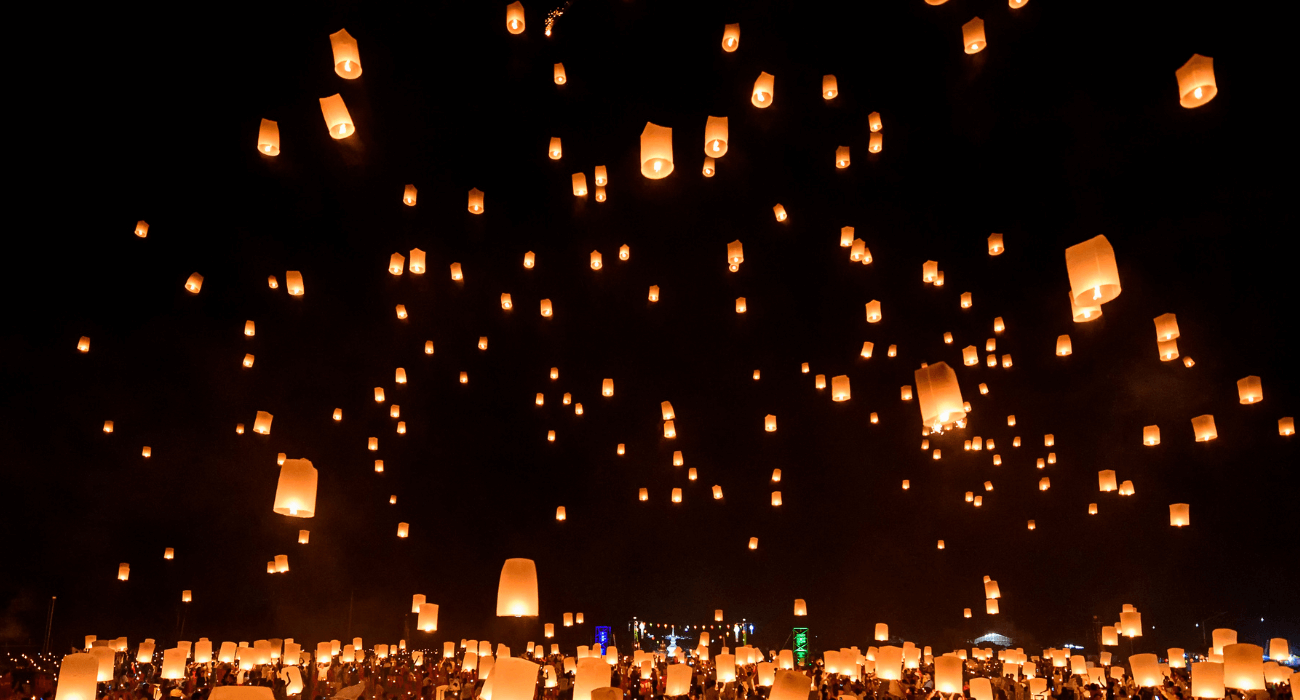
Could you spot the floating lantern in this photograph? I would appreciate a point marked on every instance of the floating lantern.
(1094, 276)
(995, 244)
(546, 307)
(717, 492)
(517, 591)
(677, 495)
(620, 449)
(379, 466)
(272, 283)
(939, 396)
(268, 143)
(874, 417)
(970, 356)
(874, 315)
(1180, 514)
(554, 150)
(169, 553)
(1130, 623)
(715, 137)
(776, 476)
(1207, 679)
(1196, 84)
(408, 198)
(830, 87)
(295, 492)
(1106, 480)
(966, 300)
(123, 571)
(108, 426)
(991, 606)
(1063, 346)
(1286, 426)
(730, 42)
(262, 423)
(643, 495)
(579, 184)
(840, 388)
(820, 381)
(337, 118)
(779, 211)
(709, 169)
(800, 607)
(972, 34)
(740, 305)
(1203, 427)
(607, 387)
(1166, 327)
(146, 452)
(83, 345)
(401, 311)
(670, 430)
(347, 62)
(1032, 525)
(550, 434)
(624, 252)
(560, 76)
(769, 423)
(1243, 667)
(1006, 361)
(428, 617)
(194, 283)
(239, 428)
(763, 88)
(1126, 488)
(876, 142)
(929, 271)
(1044, 484)
(656, 151)
(776, 498)
(475, 201)
(1092, 509)
(515, 18)
(940, 544)
(1250, 390)
(293, 278)
(858, 251)
(842, 157)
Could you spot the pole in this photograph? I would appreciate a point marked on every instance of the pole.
(49, 626)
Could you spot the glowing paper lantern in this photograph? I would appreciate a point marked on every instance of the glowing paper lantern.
(715, 137)
(546, 307)
(1243, 666)
(1106, 480)
(991, 606)
(1063, 346)
(842, 157)
(1250, 390)
(800, 607)
(517, 590)
(779, 211)
(840, 388)
(262, 422)
(347, 62)
(873, 312)
(656, 151)
(762, 96)
(1279, 650)
(1180, 514)
(995, 244)
(1094, 276)
(293, 279)
(77, 677)
(1130, 624)
(337, 118)
(579, 184)
(476, 201)
(1196, 84)
(515, 20)
(876, 143)
(295, 493)
(769, 423)
(268, 143)
(559, 74)
(560, 514)
(194, 283)
(939, 396)
(1286, 426)
(554, 149)
(972, 34)
(1207, 679)
(1203, 428)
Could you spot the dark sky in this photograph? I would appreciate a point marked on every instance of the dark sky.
(1067, 126)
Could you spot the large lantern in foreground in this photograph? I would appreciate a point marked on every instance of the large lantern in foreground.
(1243, 666)
(77, 677)
(347, 59)
(295, 494)
(656, 151)
(1094, 275)
(1196, 84)
(939, 396)
(517, 591)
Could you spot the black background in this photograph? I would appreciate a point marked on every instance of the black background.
(1067, 126)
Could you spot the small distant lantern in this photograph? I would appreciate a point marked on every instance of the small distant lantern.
(550, 434)
(239, 428)
(965, 612)
(643, 495)
(417, 261)
(1044, 484)
(347, 61)
(710, 168)
(753, 543)
(428, 347)
(691, 474)
(457, 275)
(560, 76)
(337, 119)
(670, 430)
(515, 18)
(194, 283)
(1092, 509)
(940, 544)
(656, 151)
(624, 252)
(1033, 525)
(546, 307)
(776, 498)
(876, 142)
(1063, 346)
(966, 300)
(1286, 426)
(596, 260)
(991, 606)
(717, 492)
(262, 423)
(293, 278)
(762, 94)
(272, 283)
(579, 184)
(874, 417)
(715, 137)
(740, 305)
(840, 388)
(677, 495)
(560, 514)
(995, 244)
(506, 303)
(401, 311)
(475, 201)
(654, 292)
(874, 316)
(907, 484)
(1180, 515)
(769, 423)
(800, 607)
(842, 157)
(972, 34)
(607, 387)
(779, 211)
(147, 452)
(554, 149)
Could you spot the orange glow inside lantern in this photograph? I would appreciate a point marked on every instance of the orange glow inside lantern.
(1196, 84)
(995, 244)
(762, 93)
(1203, 428)
(654, 292)
(515, 18)
(347, 61)
(876, 143)
(779, 211)
(1180, 515)
(776, 498)
(337, 119)
(475, 201)
(546, 307)
(715, 137)
(1250, 390)
(874, 316)
(1063, 346)
(656, 151)
(1286, 426)
(268, 143)
(769, 423)
(740, 305)
(517, 591)
(840, 388)
(579, 184)
(560, 514)
(972, 34)
(730, 37)
(842, 157)
(401, 311)
(670, 431)
(293, 279)
(560, 76)
(262, 423)
(677, 496)
(194, 283)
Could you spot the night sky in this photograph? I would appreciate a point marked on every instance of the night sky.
(1067, 126)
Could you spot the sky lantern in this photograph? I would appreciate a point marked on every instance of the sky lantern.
(268, 143)
(607, 387)
(995, 244)
(735, 255)
(579, 184)
(643, 495)
(1166, 327)
(677, 496)
(515, 18)
(239, 428)
(1207, 679)
(776, 498)
(1063, 346)
(1196, 84)
(559, 74)
(741, 306)
(1243, 667)
(1106, 480)
(281, 563)
(295, 493)
(304, 536)
(293, 279)
(717, 492)
(1168, 350)
(602, 176)
(457, 274)
(876, 142)
(1286, 426)
(1220, 638)
(262, 423)
(1203, 428)
(555, 150)
(1250, 390)
(272, 283)
(730, 42)
(710, 167)
(970, 355)
(517, 590)
(347, 60)
(596, 260)
(654, 292)
(401, 311)
(123, 571)
(800, 607)
(1180, 515)
(428, 347)
(840, 388)
(656, 151)
(867, 348)
(142, 226)
(337, 118)
(146, 452)
(769, 423)
(966, 300)
(194, 283)
(1094, 275)
(475, 201)
(83, 345)
(873, 312)
(753, 543)
(715, 137)
(1044, 484)
(624, 252)
(506, 303)
(77, 677)
(762, 93)
(666, 410)
(1279, 650)
(670, 430)
(972, 34)
(830, 87)
(939, 396)
(842, 157)
(991, 606)
(1130, 623)
(820, 381)
(846, 237)
(403, 530)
